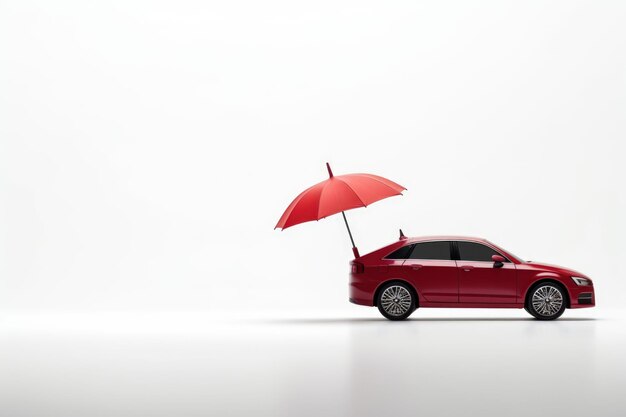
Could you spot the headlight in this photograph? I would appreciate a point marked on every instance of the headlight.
(581, 281)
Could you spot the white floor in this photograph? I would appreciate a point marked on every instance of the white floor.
(439, 363)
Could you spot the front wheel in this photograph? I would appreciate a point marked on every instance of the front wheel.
(396, 301)
(546, 301)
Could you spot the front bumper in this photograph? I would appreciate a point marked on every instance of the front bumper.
(582, 296)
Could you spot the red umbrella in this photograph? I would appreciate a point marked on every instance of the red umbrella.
(338, 194)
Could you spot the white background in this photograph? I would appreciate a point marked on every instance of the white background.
(147, 149)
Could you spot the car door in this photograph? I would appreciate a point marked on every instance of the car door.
(480, 279)
(433, 272)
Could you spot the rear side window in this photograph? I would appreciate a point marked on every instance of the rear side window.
(402, 253)
(470, 251)
(431, 250)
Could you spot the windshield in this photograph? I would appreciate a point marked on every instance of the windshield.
(510, 253)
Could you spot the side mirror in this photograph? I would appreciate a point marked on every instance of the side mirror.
(497, 261)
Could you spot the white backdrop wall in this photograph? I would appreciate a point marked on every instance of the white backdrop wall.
(147, 149)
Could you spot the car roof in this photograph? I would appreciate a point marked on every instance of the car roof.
(444, 237)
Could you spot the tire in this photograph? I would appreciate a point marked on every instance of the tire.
(396, 301)
(546, 301)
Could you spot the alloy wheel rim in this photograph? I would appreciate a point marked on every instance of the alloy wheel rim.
(396, 300)
(547, 300)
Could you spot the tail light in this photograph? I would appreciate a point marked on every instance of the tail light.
(357, 268)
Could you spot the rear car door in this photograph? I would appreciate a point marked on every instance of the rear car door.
(433, 272)
(480, 281)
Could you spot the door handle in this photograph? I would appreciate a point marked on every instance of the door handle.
(467, 268)
(416, 267)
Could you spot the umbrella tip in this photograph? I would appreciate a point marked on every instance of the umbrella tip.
(330, 172)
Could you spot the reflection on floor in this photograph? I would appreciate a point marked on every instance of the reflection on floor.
(440, 362)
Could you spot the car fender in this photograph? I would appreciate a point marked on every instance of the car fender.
(545, 276)
(375, 301)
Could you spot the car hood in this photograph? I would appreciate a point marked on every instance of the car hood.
(554, 268)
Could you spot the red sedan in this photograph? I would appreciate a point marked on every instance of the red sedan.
(455, 271)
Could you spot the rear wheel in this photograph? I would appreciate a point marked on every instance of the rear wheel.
(396, 301)
(546, 301)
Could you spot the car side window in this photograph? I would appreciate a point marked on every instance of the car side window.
(471, 251)
(431, 250)
(402, 253)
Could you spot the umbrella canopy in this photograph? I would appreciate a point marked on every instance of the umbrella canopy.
(337, 194)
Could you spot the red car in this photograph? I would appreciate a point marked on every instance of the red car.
(455, 271)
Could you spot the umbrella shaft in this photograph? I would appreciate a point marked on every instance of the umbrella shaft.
(348, 227)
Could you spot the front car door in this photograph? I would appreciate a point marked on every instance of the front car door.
(433, 272)
(479, 280)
